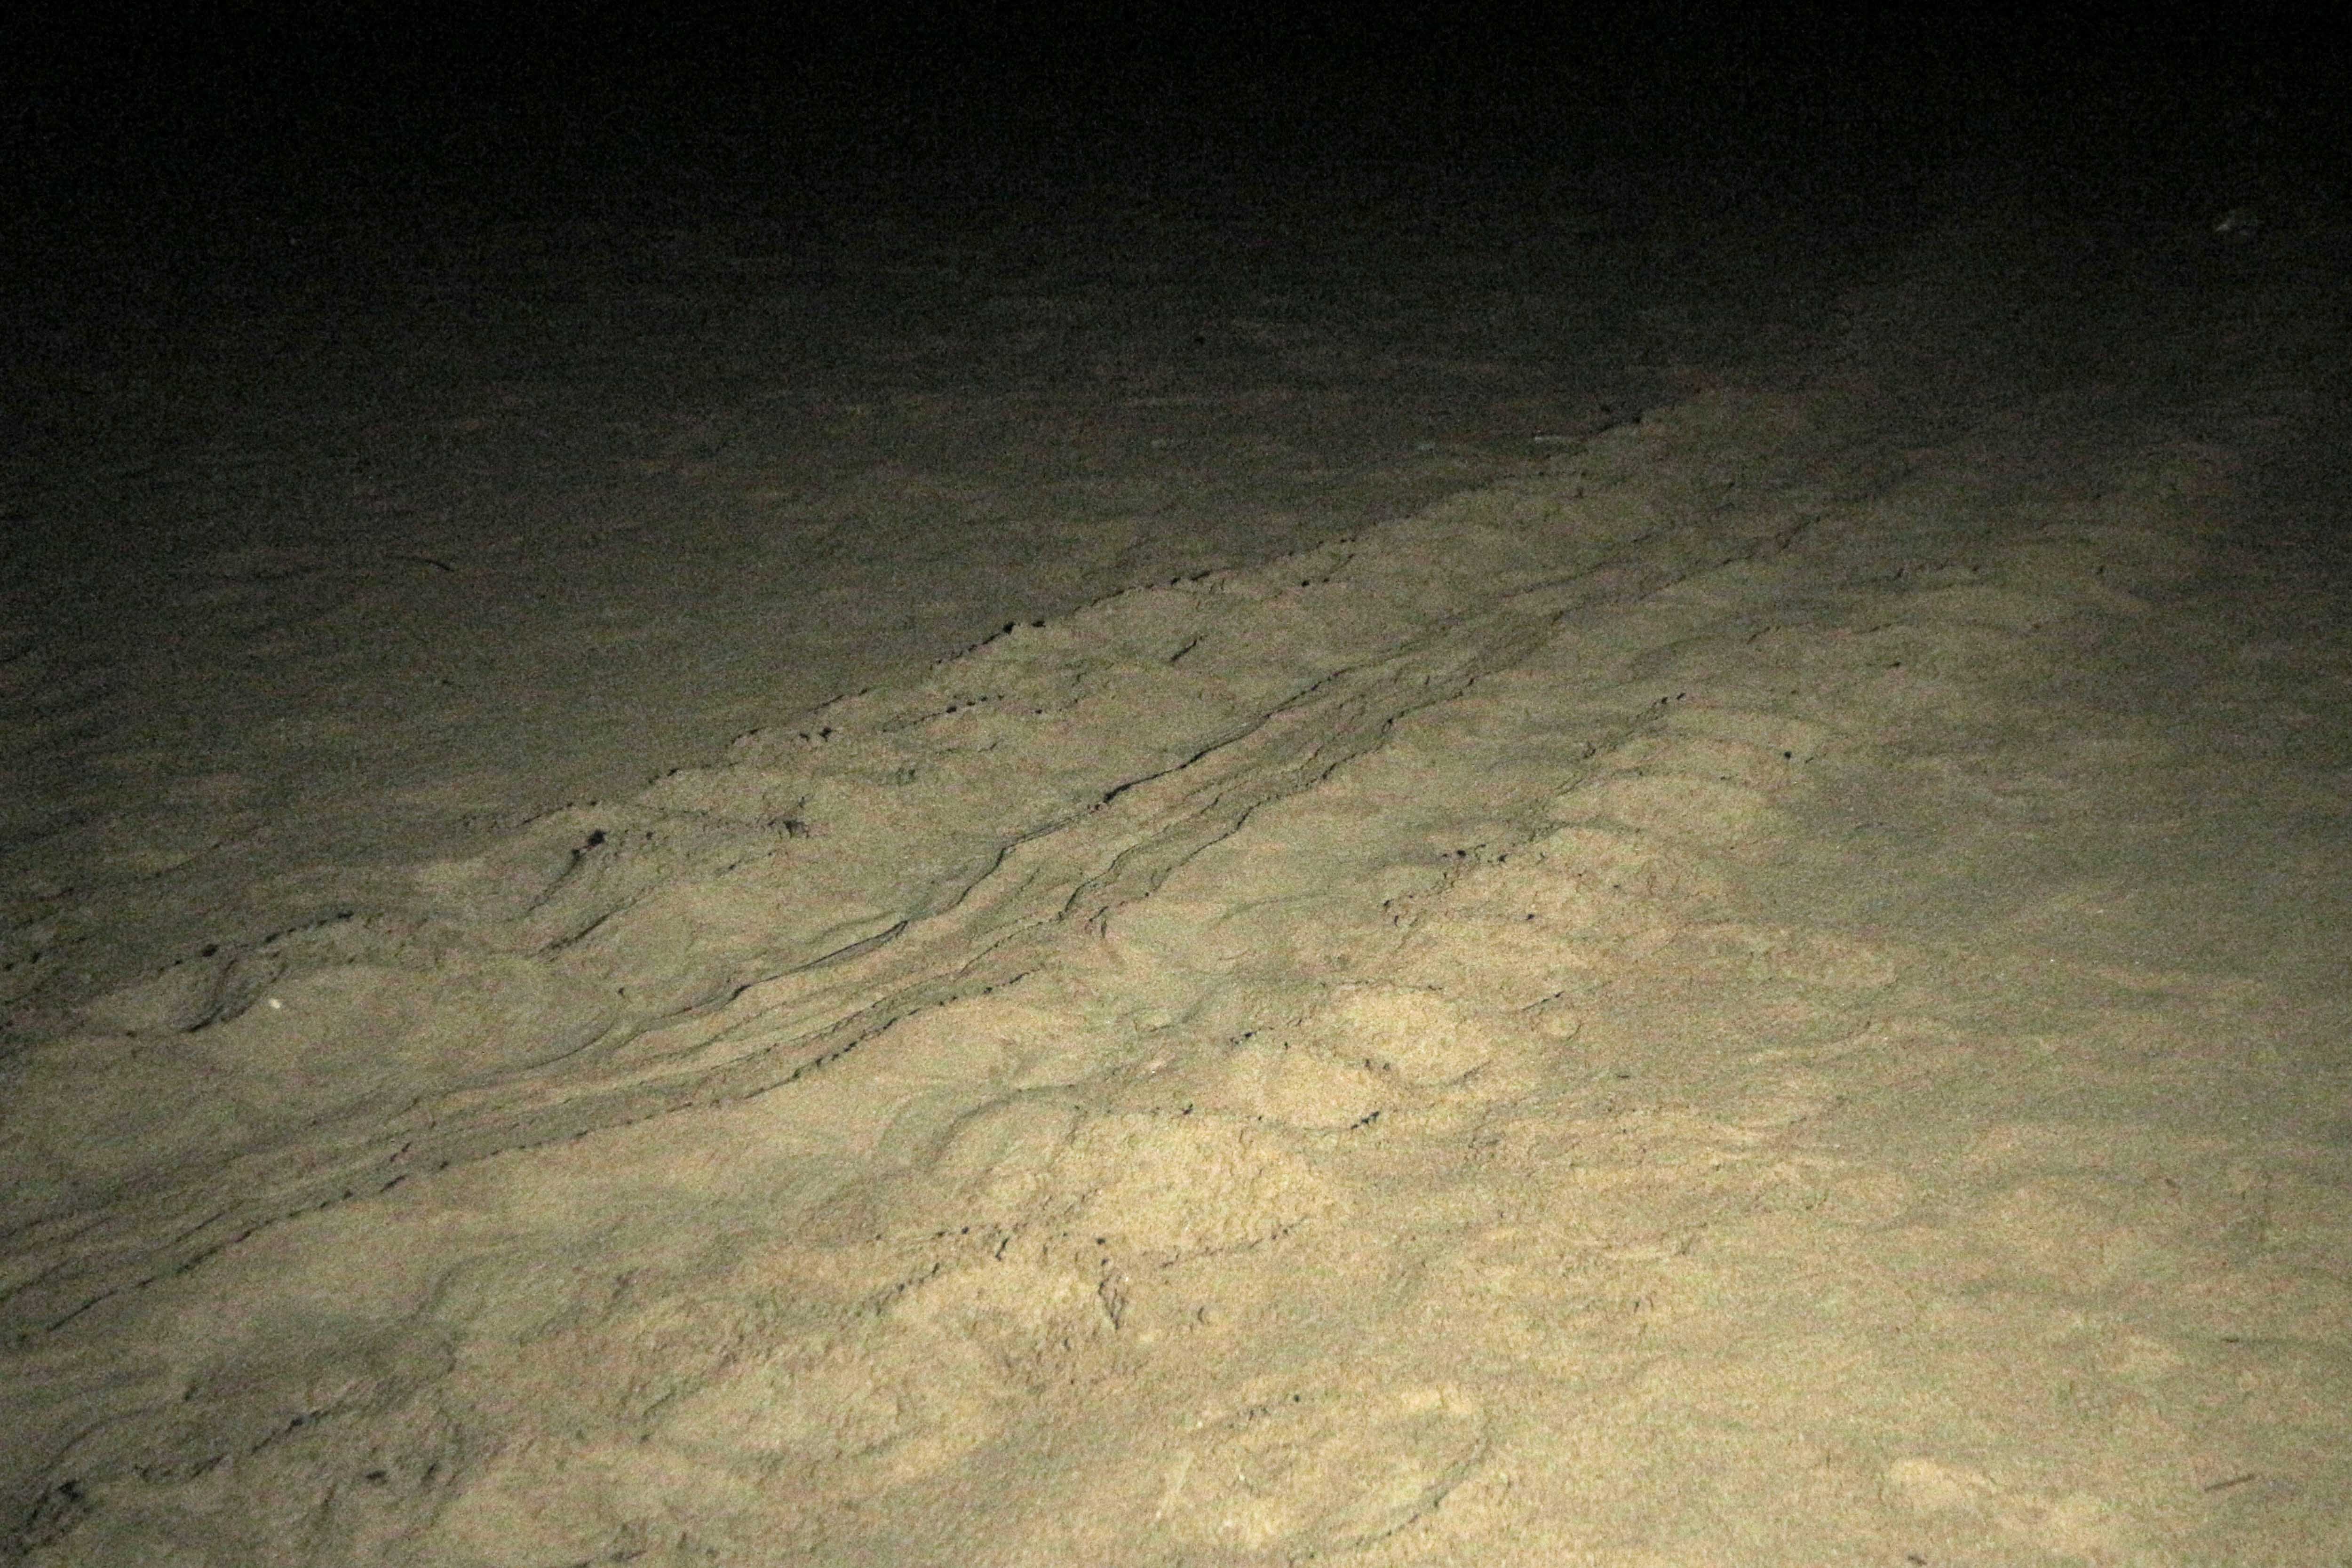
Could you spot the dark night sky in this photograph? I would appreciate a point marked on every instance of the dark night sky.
(144, 121)
(254, 80)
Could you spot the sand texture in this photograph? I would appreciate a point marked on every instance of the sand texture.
(1748, 964)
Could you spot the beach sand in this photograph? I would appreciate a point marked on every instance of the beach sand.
(1386, 874)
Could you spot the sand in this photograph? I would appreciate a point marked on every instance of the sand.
(1492, 925)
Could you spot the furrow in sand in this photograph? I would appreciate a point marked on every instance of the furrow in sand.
(779, 1012)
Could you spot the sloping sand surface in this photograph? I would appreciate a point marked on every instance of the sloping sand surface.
(383, 535)
(1767, 987)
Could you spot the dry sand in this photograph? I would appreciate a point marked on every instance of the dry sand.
(1478, 979)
